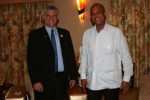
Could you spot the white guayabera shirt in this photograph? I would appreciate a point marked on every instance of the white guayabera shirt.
(101, 58)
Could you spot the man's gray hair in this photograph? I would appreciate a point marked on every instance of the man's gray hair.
(51, 7)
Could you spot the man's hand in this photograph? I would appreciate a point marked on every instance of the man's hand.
(72, 83)
(38, 87)
(125, 86)
(84, 84)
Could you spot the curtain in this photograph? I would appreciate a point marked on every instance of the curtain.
(16, 21)
(133, 16)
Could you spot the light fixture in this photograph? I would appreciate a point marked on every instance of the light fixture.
(81, 7)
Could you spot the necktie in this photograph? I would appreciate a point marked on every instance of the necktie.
(55, 49)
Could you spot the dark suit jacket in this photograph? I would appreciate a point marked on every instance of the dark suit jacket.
(40, 55)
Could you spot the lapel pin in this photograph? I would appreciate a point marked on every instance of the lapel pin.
(61, 35)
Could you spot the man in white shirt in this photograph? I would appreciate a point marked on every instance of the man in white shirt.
(104, 49)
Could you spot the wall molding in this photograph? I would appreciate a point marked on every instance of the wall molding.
(21, 1)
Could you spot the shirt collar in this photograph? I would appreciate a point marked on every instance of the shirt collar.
(49, 29)
(105, 27)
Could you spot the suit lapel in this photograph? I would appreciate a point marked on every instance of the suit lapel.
(45, 33)
(61, 36)
(46, 36)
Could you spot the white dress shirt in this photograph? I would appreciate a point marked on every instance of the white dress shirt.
(101, 58)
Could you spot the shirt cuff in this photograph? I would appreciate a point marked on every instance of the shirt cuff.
(82, 76)
(126, 78)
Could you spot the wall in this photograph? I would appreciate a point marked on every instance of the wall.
(69, 18)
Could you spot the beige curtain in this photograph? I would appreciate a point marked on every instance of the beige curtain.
(16, 20)
(133, 16)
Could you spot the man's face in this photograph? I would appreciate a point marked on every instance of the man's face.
(97, 15)
(51, 18)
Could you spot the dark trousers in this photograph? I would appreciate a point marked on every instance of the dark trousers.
(109, 94)
(55, 88)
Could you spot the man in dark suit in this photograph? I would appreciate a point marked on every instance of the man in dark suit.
(52, 69)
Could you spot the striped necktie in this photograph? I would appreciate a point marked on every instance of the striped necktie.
(55, 49)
